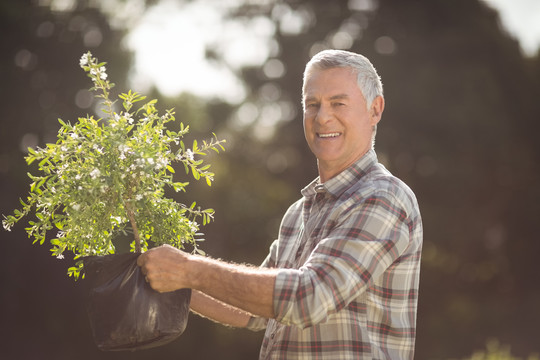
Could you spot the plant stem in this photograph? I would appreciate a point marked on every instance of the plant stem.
(131, 216)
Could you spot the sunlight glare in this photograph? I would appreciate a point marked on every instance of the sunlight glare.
(170, 45)
(520, 18)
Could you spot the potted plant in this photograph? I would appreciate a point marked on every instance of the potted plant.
(104, 182)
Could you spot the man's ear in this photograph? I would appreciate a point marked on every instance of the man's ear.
(377, 108)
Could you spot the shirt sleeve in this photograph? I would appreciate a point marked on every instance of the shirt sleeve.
(257, 323)
(270, 261)
(363, 241)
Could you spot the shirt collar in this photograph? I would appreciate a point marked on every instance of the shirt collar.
(342, 181)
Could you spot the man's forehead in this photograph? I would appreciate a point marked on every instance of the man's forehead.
(313, 76)
(340, 96)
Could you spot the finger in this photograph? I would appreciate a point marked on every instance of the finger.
(141, 260)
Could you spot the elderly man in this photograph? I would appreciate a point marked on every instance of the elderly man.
(341, 281)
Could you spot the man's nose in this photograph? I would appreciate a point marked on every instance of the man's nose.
(324, 114)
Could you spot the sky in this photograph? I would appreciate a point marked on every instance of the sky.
(521, 18)
(171, 39)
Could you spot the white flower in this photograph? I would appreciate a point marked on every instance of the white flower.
(102, 73)
(97, 148)
(6, 225)
(60, 257)
(84, 60)
(95, 173)
(161, 163)
(193, 226)
(118, 219)
(189, 154)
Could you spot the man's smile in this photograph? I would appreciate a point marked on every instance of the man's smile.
(328, 135)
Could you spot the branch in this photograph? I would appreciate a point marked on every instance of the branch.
(131, 216)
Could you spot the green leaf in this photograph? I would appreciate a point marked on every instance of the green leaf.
(43, 162)
(30, 159)
(41, 182)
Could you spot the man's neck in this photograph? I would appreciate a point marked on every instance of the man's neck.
(328, 170)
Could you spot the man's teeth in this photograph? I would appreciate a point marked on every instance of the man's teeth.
(329, 135)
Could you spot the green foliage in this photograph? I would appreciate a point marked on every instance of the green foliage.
(494, 351)
(106, 177)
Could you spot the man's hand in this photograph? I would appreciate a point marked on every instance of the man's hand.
(164, 268)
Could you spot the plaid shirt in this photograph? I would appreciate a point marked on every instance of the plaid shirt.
(349, 251)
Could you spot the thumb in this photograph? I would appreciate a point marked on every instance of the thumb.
(141, 260)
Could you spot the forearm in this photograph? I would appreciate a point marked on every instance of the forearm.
(218, 311)
(249, 289)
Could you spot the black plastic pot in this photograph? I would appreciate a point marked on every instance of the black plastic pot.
(125, 312)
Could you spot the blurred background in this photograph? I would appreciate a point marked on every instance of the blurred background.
(460, 127)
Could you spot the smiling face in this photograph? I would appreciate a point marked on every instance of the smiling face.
(337, 123)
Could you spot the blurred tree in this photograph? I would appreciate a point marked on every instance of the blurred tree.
(459, 128)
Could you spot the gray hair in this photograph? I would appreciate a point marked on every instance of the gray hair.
(368, 80)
